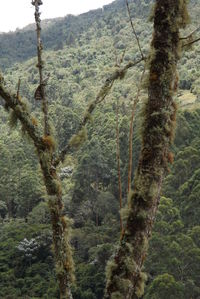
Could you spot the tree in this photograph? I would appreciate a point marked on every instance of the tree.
(165, 287)
(125, 275)
(125, 278)
(50, 158)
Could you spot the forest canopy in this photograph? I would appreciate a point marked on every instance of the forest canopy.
(79, 53)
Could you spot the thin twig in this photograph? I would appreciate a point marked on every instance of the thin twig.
(18, 88)
(118, 165)
(190, 43)
(119, 61)
(122, 57)
(116, 58)
(189, 35)
(133, 28)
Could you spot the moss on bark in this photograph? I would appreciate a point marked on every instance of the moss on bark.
(157, 136)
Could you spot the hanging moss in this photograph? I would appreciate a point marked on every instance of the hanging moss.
(170, 157)
(88, 116)
(124, 212)
(123, 284)
(129, 263)
(13, 119)
(49, 142)
(34, 121)
(183, 14)
(110, 267)
(45, 157)
(78, 139)
(65, 266)
(142, 277)
(117, 295)
(159, 116)
(69, 264)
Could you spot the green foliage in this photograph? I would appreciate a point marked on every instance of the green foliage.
(174, 251)
(39, 214)
(20, 180)
(78, 139)
(26, 261)
(165, 287)
(80, 55)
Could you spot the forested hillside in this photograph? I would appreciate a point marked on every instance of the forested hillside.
(80, 53)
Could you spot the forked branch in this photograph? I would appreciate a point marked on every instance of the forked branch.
(191, 42)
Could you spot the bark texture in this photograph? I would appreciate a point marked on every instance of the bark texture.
(60, 223)
(125, 279)
(49, 160)
(40, 64)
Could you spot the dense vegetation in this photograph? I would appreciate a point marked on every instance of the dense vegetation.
(79, 57)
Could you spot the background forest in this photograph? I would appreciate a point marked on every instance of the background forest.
(80, 52)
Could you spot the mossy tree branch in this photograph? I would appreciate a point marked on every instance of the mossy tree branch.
(46, 151)
(45, 148)
(125, 278)
(119, 73)
(40, 65)
(13, 102)
(60, 223)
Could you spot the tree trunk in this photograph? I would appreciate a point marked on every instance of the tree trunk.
(125, 279)
(61, 226)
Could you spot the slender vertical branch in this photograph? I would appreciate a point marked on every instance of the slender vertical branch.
(130, 160)
(133, 28)
(40, 65)
(118, 164)
(18, 88)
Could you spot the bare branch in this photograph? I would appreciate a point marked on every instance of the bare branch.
(118, 165)
(190, 43)
(41, 88)
(133, 28)
(190, 34)
(18, 88)
(104, 91)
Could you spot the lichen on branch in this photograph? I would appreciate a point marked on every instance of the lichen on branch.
(125, 277)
